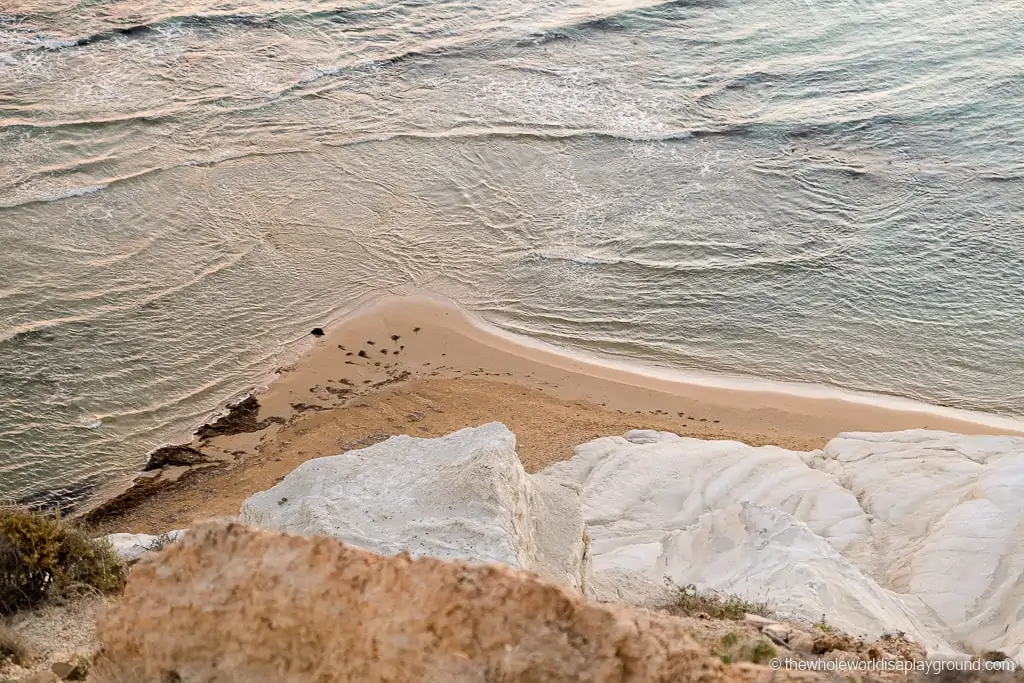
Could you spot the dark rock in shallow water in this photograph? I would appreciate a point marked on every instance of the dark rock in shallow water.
(317, 332)
(109, 512)
(168, 456)
(241, 419)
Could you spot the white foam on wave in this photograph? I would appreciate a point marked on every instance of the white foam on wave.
(67, 193)
(54, 43)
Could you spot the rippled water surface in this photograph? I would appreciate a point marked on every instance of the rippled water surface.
(818, 190)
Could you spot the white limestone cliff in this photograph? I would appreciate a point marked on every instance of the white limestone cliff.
(917, 531)
(462, 496)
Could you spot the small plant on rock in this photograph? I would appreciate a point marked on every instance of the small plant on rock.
(160, 542)
(690, 601)
(824, 626)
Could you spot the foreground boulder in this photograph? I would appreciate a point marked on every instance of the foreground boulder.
(232, 604)
(463, 496)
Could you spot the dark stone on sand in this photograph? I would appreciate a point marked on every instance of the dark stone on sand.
(400, 377)
(362, 354)
(241, 419)
(171, 456)
(368, 440)
(317, 332)
(415, 329)
(307, 407)
(395, 337)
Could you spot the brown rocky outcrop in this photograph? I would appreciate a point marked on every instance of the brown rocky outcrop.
(232, 604)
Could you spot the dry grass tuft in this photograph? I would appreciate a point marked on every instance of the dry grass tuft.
(13, 647)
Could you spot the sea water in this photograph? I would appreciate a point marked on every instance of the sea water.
(824, 191)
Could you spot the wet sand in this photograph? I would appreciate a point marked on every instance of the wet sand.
(421, 366)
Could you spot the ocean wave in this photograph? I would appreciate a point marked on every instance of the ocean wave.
(39, 327)
(822, 258)
(212, 17)
(60, 195)
(110, 182)
(507, 132)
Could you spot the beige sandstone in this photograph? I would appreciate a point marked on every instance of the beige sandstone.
(231, 604)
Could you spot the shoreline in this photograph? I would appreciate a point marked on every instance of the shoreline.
(420, 365)
(630, 372)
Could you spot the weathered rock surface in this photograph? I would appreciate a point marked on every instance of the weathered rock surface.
(947, 526)
(463, 496)
(927, 528)
(233, 604)
(764, 552)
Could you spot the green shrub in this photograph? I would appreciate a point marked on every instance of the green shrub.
(689, 601)
(730, 639)
(824, 626)
(44, 556)
(763, 651)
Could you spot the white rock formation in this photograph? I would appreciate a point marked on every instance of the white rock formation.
(768, 555)
(462, 496)
(948, 525)
(917, 531)
(132, 547)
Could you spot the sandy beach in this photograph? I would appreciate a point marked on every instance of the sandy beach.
(421, 366)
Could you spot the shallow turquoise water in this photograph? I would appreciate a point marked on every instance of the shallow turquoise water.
(829, 192)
